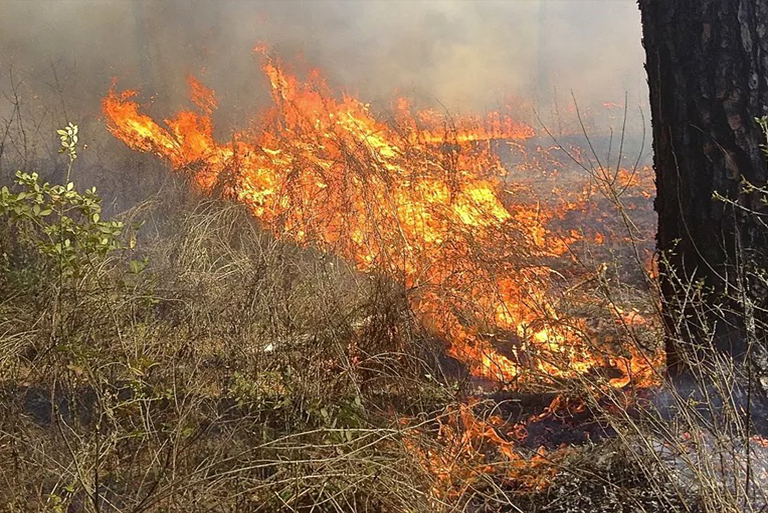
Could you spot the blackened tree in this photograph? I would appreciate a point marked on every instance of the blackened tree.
(707, 64)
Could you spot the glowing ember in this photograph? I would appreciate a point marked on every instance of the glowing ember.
(418, 199)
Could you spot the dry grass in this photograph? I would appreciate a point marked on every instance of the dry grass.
(237, 372)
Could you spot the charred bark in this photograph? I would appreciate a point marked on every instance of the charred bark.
(707, 64)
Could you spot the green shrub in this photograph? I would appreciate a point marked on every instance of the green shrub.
(52, 233)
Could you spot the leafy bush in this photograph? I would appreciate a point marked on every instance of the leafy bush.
(52, 233)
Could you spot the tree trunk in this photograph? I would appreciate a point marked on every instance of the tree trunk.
(707, 64)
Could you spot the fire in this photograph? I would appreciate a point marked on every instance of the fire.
(472, 448)
(418, 199)
(201, 96)
(430, 126)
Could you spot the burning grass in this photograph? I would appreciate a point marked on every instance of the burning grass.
(410, 315)
(419, 201)
(219, 377)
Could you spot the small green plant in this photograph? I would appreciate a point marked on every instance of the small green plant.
(763, 122)
(62, 227)
(68, 137)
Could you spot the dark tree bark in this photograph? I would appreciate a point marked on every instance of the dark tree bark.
(707, 64)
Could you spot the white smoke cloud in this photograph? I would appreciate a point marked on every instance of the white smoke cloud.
(463, 54)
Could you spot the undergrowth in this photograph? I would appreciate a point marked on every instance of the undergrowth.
(208, 368)
(178, 358)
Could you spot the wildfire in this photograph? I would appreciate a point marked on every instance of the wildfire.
(472, 448)
(418, 199)
(201, 96)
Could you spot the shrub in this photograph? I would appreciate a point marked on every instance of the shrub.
(52, 233)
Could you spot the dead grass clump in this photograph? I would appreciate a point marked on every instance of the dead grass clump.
(227, 370)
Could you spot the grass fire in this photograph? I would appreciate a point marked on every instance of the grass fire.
(299, 292)
(395, 200)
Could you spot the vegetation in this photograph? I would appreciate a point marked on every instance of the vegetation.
(176, 357)
(210, 367)
(203, 372)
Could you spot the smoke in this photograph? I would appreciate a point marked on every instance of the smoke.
(459, 55)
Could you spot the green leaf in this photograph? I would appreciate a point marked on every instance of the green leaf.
(36, 210)
(136, 266)
(70, 186)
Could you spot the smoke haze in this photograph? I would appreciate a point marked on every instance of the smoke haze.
(462, 55)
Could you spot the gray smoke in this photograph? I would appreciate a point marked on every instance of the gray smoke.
(461, 55)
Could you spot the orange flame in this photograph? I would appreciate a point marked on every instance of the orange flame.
(472, 448)
(201, 96)
(418, 200)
